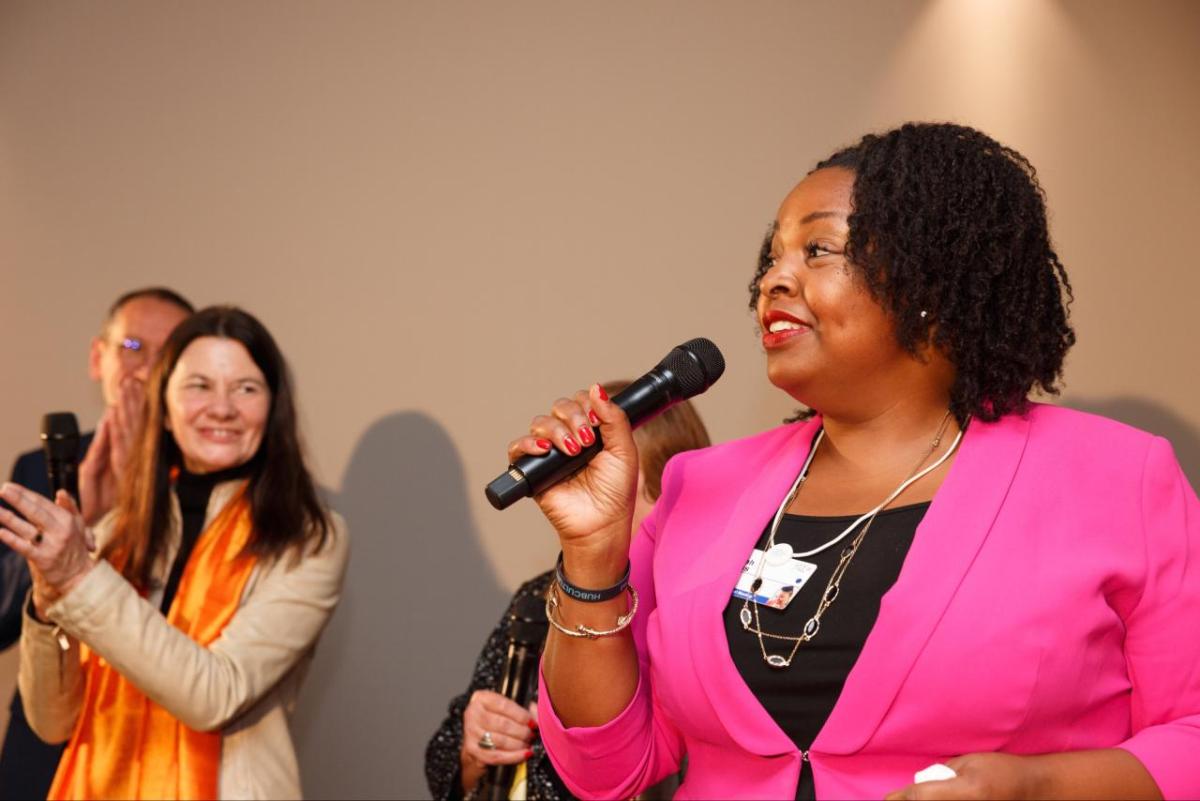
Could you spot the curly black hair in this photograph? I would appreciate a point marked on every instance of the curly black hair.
(948, 220)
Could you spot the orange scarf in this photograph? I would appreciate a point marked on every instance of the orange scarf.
(125, 745)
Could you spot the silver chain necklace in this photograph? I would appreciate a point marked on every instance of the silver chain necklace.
(833, 586)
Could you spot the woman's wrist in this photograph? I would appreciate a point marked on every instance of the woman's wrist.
(1032, 780)
(65, 588)
(470, 773)
(44, 596)
(586, 593)
(37, 606)
(601, 562)
(595, 574)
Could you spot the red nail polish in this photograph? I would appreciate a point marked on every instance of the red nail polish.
(544, 444)
(586, 436)
(571, 445)
(532, 725)
(528, 753)
(592, 416)
(603, 394)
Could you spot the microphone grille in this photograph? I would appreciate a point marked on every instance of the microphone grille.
(696, 364)
(527, 623)
(59, 425)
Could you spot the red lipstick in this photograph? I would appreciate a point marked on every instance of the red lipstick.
(780, 338)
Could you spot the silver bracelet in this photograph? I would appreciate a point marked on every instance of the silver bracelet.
(580, 630)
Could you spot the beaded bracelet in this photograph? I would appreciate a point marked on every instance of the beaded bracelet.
(590, 596)
(581, 630)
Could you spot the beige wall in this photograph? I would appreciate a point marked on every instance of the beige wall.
(451, 213)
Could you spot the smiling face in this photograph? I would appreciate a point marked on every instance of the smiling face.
(829, 343)
(217, 404)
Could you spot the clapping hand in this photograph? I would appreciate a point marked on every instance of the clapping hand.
(53, 539)
(103, 467)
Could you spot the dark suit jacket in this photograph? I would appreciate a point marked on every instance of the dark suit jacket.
(27, 764)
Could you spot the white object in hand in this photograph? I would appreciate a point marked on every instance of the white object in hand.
(934, 773)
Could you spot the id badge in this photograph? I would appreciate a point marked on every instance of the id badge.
(782, 576)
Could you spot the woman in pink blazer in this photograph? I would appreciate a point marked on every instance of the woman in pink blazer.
(1010, 589)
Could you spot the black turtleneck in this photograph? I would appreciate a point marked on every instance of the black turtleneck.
(194, 491)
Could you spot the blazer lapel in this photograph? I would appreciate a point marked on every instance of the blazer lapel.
(946, 543)
(747, 722)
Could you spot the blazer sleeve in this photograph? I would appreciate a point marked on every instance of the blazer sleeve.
(206, 688)
(50, 680)
(640, 746)
(1162, 650)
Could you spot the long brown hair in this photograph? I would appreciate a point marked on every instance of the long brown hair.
(285, 510)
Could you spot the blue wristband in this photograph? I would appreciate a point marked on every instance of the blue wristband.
(589, 596)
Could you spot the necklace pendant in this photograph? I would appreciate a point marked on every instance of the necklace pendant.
(745, 616)
(779, 554)
(777, 661)
(811, 628)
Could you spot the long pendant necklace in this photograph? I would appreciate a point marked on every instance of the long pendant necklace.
(833, 586)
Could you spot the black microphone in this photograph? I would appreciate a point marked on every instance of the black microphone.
(687, 370)
(60, 441)
(527, 627)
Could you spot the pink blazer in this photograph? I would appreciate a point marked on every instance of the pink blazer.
(1050, 602)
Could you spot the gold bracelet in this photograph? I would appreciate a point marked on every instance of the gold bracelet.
(580, 630)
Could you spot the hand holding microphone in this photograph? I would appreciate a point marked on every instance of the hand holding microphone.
(580, 462)
(527, 627)
(687, 370)
(51, 535)
(592, 510)
(509, 728)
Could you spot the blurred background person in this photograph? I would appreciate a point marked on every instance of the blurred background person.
(483, 727)
(119, 360)
(173, 659)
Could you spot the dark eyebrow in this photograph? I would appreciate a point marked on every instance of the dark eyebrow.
(820, 215)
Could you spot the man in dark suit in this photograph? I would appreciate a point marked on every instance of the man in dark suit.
(120, 360)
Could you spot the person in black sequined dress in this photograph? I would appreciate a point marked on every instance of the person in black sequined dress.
(454, 764)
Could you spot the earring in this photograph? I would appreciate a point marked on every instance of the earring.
(924, 314)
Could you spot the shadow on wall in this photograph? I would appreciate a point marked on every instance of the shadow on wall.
(419, 600)
(1155, 418)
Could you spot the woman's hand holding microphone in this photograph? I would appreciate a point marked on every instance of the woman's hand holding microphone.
(591, 511)
(496, 731)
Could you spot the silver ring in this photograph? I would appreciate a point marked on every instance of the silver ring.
(37, 539)
(486, 742)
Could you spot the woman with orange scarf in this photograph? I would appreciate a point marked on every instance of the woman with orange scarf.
(169, 643)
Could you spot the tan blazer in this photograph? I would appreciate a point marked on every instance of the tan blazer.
(244, 685)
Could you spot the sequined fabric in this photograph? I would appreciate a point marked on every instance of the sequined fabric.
(442, 764)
